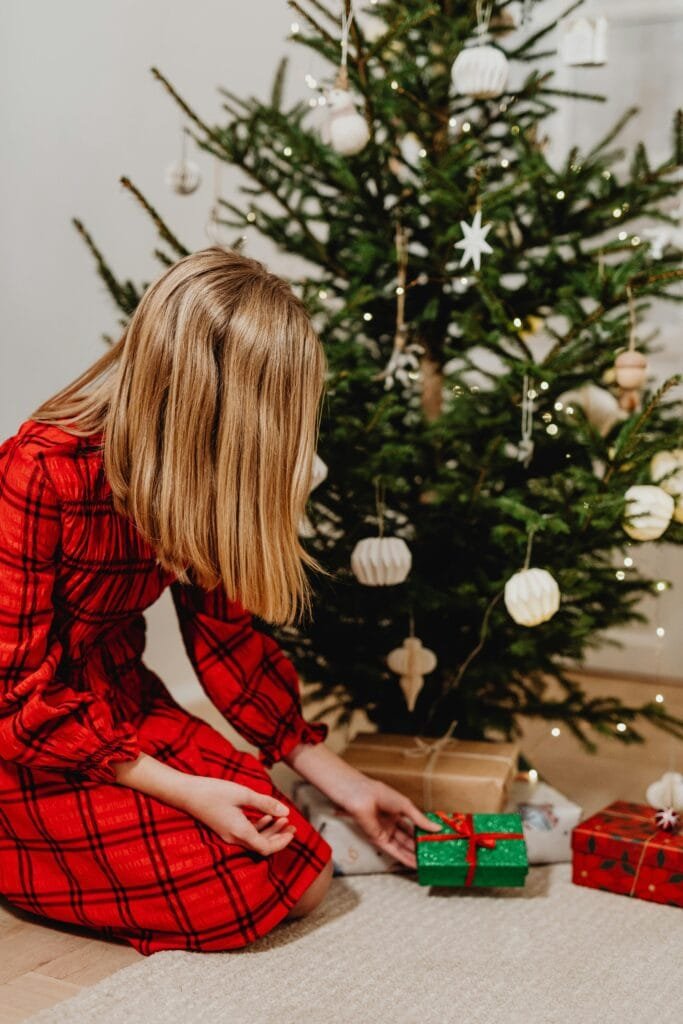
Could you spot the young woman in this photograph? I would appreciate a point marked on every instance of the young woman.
(182, 458)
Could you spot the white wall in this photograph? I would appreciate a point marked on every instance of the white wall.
(79, 107)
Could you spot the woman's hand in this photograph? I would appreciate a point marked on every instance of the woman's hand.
(216, 802)
(381, 811)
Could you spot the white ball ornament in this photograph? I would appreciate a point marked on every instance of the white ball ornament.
(649, 510)
(480, 70)
(532, 596)
(183, 177)
(381, 561)
(346, 130)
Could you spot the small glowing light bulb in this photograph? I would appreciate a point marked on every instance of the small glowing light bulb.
(251, 216)
(466, 126)
(322, 293)
(560, 194)
(394, 84)
(400, 289)
(517, 322)
(294, 27)
(555, 731)
(621, 726)
(452, 122)
(544, 385)
(533, 775)
(552, 429)
(287, 151)
(623, 235)
(628, 562)
(659, 697)
(558, 407)
(660, 631)
(660, 585)
(422, 152)
(616, 212)
(504, 163)
(635, 240)
(620, 574)
(367, 316)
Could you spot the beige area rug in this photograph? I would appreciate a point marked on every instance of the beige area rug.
(382, 949)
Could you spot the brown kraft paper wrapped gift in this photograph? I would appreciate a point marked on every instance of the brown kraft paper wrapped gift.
(449, 775)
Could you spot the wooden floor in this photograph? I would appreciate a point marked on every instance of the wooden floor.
(41, 964)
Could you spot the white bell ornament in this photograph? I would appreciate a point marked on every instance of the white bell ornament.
(649, 510)
(532, 596)
(412, 662)
(381, 561)
(480, 70)
(183, 177)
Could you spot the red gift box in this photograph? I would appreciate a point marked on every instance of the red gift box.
(622, 850)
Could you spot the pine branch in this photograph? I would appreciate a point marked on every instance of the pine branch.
(164, 231)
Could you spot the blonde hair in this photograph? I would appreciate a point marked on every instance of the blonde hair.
(210, 405)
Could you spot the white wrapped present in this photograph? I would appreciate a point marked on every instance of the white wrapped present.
(352, 851)
(548, 818)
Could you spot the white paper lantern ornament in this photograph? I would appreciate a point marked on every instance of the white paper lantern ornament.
(532, 595)
(480, 70)
(412, 662)
(649, 510)
(666, 469)
(381, 561)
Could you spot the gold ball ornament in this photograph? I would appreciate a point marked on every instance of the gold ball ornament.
(381, 561)
(532, 596)
(649, 510)
(480, 70)
(412, 662)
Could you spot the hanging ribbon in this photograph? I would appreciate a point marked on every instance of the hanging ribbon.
(463, 828)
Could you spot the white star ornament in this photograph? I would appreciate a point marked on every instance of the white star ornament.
(474, 243)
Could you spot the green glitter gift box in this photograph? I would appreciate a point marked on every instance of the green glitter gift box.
(472, 849)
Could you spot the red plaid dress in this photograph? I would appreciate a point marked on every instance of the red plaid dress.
(75, 696)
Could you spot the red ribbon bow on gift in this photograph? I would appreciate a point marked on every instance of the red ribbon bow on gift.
(463, 828)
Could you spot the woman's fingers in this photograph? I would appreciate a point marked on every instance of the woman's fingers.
(409, 809)
(269, 804)
(263, 843)
(400, 852)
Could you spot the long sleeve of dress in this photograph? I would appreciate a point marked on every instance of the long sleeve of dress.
(44, 723)
(244, 672)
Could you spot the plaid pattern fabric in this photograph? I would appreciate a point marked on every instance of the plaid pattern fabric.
(76, 696)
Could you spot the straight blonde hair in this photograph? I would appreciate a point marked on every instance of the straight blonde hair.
(209, 405)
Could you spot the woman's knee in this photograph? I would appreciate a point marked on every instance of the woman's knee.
(315, 893)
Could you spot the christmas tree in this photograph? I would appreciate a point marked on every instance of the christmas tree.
(484, 318)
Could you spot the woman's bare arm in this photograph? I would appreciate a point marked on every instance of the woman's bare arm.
(216, 802)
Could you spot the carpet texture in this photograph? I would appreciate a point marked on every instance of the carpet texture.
(382, 949)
